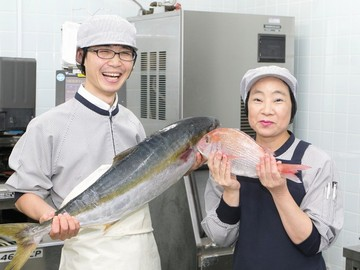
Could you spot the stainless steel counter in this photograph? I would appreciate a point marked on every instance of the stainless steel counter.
(6, 198)
(8, 141)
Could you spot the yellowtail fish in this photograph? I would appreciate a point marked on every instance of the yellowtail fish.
(136, 176)
(243, 152)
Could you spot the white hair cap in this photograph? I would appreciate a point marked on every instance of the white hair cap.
(106, 30)
(253, 75)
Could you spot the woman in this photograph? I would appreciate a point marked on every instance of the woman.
(273, 222)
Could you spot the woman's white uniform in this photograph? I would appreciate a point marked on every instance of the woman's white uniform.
(64, 146)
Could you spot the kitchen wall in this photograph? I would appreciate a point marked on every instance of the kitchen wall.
(327, 61)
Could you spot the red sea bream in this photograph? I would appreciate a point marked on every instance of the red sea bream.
(243, 151)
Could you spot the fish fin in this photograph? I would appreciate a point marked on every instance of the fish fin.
(123, 154)
(108, 226)
(289, 171)
(185, 155)
(22, 254)
(231, 157)
(291, 177)
(26, 244)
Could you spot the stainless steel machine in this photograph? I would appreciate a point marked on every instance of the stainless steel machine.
(190, 63)
(17, 108)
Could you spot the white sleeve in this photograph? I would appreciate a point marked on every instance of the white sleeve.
(30, 159)
(219, 232)
(323, 199)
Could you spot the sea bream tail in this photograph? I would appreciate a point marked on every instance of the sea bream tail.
(289, 171)
(26, 243)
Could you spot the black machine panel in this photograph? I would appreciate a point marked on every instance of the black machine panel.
(271, 48)
(17, 92)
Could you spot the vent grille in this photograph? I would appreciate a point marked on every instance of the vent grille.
(153, 85)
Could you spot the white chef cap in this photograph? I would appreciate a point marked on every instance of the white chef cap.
(253, 75)
(106, 30)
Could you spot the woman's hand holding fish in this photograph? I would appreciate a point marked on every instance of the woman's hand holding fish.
(220, 169)
(296, 222)
(269, 175)
(63, 226)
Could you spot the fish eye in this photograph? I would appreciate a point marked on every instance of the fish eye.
(207, 138)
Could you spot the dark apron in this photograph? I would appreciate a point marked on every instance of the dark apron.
(263, 243)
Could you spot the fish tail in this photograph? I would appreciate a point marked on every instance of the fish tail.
(289, 171)
(26, 243)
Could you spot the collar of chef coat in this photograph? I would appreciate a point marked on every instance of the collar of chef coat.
(101, 107)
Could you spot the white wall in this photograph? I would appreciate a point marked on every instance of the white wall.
(327, 66)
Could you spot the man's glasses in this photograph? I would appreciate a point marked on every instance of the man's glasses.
(109, 54)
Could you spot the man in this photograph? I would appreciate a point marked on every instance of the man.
(66, 144)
